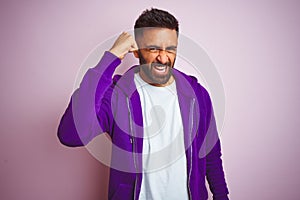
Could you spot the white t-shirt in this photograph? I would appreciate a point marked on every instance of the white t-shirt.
(164, 161)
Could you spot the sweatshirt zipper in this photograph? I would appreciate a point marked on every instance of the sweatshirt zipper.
(190, 134)
(133, 146)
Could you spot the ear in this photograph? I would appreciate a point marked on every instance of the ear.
(136, 54)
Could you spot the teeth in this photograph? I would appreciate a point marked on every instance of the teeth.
(160, 68)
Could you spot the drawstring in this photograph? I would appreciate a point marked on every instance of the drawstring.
(132, 141)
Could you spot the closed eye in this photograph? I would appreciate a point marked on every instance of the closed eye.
(153, 48)
(171, 49)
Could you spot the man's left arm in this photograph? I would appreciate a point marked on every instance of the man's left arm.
(214, 168)
(215, 173)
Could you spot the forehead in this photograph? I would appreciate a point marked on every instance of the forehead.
(161, 37)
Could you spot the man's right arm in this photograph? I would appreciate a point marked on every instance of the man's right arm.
(79, 124)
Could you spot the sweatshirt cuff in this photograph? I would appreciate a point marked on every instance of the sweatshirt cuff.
(109, 60)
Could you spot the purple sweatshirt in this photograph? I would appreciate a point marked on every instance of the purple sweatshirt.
(102, 104)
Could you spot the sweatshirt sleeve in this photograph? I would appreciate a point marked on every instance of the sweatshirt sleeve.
(214, 167)
(80, 123)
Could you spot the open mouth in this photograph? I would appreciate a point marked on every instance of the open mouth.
(160, 68)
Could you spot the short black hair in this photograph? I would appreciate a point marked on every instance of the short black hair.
(156, 18)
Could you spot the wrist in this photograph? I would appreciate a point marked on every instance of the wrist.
(116, 53)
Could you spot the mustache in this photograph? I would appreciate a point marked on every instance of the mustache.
(168, 64)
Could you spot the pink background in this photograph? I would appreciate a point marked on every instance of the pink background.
(254, 45)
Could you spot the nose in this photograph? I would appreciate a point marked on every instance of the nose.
(163, 57)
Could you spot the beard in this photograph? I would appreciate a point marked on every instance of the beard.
(150, 71)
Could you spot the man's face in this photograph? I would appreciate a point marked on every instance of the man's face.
(157, 54)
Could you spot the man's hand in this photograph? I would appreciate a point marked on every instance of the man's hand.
(124, 44)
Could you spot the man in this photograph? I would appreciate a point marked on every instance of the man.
(160, 120)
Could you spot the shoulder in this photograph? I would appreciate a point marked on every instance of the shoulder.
(192, 81)
(194, 88)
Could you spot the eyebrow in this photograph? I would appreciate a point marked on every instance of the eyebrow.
(158, 47)
(171, 47)
(155, 46)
